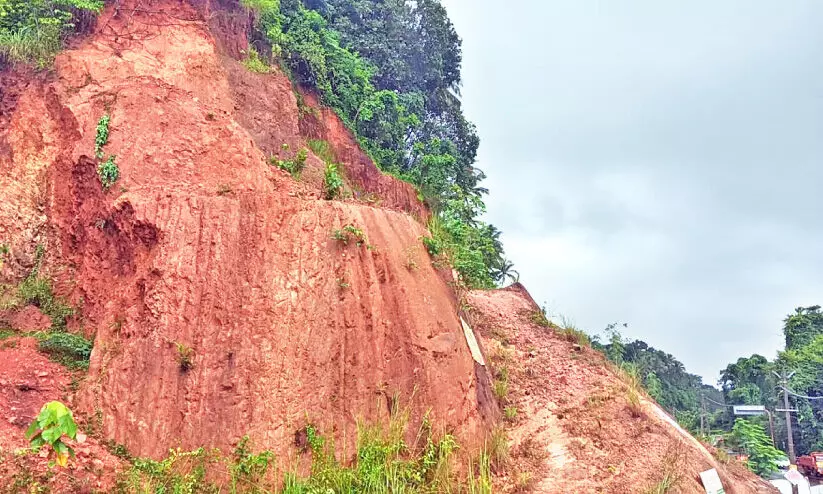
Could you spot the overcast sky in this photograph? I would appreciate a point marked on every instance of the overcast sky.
(656, 163)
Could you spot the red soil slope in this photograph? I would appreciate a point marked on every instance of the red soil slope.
(202, 244)
(574, 430)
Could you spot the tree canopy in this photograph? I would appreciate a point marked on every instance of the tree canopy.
(391, 71)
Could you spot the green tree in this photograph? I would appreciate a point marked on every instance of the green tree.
(753, 440)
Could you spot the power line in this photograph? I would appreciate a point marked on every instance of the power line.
(787, 390)
(716, 403)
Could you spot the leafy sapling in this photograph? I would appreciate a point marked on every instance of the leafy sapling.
(54, 422)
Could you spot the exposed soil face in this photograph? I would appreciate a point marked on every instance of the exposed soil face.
(574, 430)
(219, 301)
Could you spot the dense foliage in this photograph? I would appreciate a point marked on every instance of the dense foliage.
(33, 31)
(751, 438)
(391, 71)
(752, 380)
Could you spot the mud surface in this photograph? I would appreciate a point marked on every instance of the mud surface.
(574, 430)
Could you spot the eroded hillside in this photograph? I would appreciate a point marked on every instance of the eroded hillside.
(203, 244)
(225, 298)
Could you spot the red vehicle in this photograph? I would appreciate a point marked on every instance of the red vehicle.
(811, 465)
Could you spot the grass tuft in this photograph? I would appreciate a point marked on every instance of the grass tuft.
(254, 63)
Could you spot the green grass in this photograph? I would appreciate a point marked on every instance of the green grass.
(34, 45)
(36, 290)
(185, 357)
(384, 464)
(540, 317)
(500, 384)
(254, 63)
(322, 149)
(66, 348)
(570, 333)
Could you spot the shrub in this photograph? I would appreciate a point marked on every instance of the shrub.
(465, 247)
(295, 165)
(179, 472)
(510, 413)
(432, 246)
(332, 182)
(185, 356)
(69, 349)
(349, 233)
(102, 137)
(53, 422)
(247, 468)
(108, 172)
(752, 438)
(254, 63)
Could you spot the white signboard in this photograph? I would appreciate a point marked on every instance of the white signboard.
(711, 482)
(749, 410)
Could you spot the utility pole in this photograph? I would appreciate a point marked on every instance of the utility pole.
(702, 412)
(784, 384)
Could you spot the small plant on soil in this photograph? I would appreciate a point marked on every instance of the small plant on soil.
(332, 182)
(510, 413)
(500, 386)
(254, 63)
(349, 233)
(570, 333)
(671, 472)
(634, 388)
(524, 482)
(248, 469)
(411, 259)
(540, 317)
(497, 446)
(108, 172)
(185, 356)
(102, 135)
(294, 165)
(432, 246)
(343, 284)
(53, 423)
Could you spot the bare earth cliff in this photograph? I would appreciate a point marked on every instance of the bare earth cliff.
(203, 245)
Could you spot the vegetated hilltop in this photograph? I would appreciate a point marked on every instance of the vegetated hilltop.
(224, 239)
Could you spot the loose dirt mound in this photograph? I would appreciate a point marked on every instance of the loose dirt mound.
(221, 304)
(574, 429)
